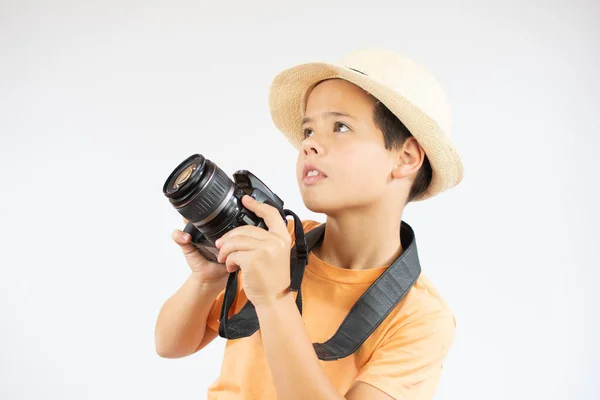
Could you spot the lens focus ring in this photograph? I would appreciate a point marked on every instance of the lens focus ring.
(209, 198)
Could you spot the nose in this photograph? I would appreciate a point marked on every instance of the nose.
(312, 146)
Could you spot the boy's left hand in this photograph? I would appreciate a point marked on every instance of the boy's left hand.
(263, 256)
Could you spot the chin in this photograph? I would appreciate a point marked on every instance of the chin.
(322, 204)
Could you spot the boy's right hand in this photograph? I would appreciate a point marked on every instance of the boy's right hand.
(206, 271)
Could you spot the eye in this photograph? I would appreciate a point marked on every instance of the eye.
(307, 132)
(339, 127)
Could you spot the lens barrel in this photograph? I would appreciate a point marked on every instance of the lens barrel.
(200, 191)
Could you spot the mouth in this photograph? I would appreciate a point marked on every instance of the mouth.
(312, 175)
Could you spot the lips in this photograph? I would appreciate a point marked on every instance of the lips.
(309, 177)
(308, 168)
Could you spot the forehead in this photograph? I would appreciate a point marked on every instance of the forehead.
(339, 95)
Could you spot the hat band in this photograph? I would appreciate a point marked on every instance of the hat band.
(360, 72)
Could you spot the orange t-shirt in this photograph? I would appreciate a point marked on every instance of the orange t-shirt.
(403, 357)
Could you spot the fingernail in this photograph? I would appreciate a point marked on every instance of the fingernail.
(218, 242)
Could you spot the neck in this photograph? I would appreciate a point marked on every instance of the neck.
(362, 239)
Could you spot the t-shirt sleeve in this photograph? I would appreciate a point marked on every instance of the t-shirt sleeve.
(215, 312)
(240, 299)
(408, 363)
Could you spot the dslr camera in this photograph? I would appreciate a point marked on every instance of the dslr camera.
(212, 203)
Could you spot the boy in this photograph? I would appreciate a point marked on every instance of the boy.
(372, 134)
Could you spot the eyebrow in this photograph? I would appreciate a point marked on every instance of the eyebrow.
(328, 114)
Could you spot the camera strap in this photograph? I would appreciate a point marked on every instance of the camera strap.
(245, 322)
(364, 317)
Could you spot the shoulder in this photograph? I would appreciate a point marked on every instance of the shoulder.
(422, 313)
(406, 360)
(425, 310)
(427, 294)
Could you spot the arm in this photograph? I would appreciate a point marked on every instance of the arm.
(295, 368)
(181, 324)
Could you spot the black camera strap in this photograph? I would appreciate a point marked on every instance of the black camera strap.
(364, 317)
(245, 322)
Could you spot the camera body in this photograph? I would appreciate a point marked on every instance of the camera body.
(212, 203)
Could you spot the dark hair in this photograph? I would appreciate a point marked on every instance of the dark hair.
(394, 135)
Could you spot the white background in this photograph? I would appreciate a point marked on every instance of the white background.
(100, 100)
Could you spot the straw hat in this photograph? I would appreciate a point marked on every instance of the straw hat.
(403, 86)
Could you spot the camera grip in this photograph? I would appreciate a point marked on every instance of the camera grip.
(200, 242)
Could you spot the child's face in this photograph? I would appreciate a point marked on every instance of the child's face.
(349, 149)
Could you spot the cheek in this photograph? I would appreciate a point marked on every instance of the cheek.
(299, 167)
(364, 163)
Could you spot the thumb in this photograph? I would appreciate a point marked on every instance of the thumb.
(183, 239)
(191, 253)
(180, 237)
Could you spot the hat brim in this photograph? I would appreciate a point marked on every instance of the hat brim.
(286, 99)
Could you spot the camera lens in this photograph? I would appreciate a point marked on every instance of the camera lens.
(203, 194)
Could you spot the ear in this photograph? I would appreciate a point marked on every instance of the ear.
(408, 159)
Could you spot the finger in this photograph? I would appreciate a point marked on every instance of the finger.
(183, 239)
(237, 260)
(240, 243)
(269, 214)
(245, 230)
